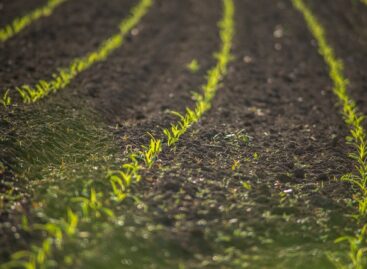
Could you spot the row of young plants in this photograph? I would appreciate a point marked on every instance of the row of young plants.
(357, 139)
(215, 75)
(99, 202)
(64, 76)
(18, 24)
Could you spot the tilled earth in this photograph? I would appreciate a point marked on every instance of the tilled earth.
(253, 185)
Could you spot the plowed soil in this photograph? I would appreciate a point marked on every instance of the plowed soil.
(275, 115)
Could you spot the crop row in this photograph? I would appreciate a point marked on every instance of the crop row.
(97, 203)
(357, 139)
(18, 24)
(64, 76)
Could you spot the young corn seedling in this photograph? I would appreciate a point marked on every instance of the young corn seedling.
(150, 153)
(174, 133)
(193, 66)
(357, 250)
(236, 164)
(246, 185)
(120, 180)
(92, 204)
(72, 223)
(133, 166)
(38, 257)
(6, 100)
(54, 230)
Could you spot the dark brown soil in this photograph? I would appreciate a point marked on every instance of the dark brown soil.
(275, 115)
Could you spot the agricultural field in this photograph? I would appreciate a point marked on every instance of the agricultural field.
(211, 134)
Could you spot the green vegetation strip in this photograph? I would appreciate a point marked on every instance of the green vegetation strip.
(357, 138)
(20, 23)
(65, 75)
(97, 204)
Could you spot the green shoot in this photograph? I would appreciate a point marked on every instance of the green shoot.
(72, 224)
(129, 173)
(246, 185)
(236, 164)
(193, 66)
(150, 153)
(357, 249)
(6, 100)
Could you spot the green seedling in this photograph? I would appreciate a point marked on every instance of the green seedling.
(121, 180)
(174, 133)
(246, 139)
(38, 256)
(151, 152)
(246, 185)
(20, 23)
(357, 249)
(54, 230)
(92, 205)
(72, 223)
(193, 66)
(236, 164)
(354, 120)
(6, 100)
